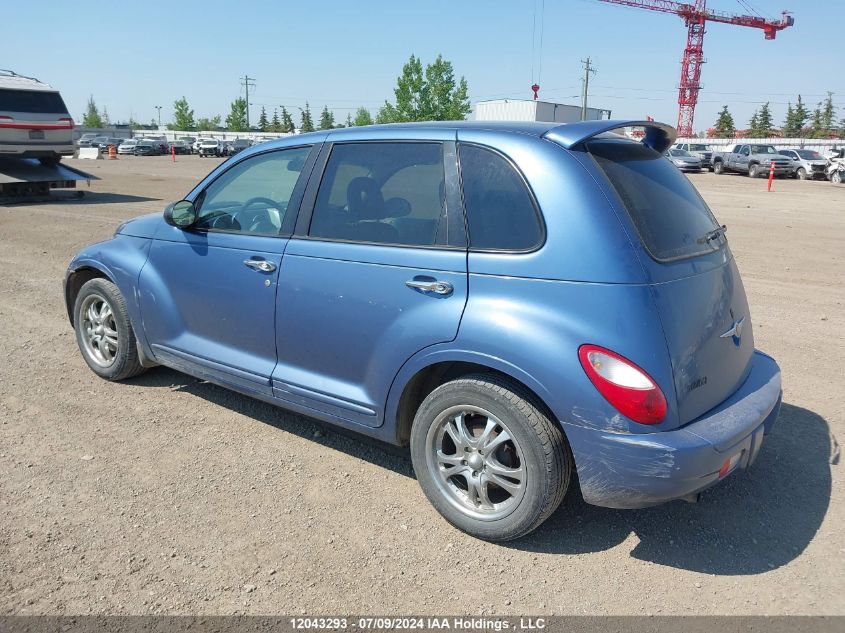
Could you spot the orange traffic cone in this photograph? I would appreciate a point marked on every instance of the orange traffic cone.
(112, 152)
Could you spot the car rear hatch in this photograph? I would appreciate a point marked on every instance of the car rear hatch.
(693, 277)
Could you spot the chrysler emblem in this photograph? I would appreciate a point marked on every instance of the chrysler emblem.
(735, 332)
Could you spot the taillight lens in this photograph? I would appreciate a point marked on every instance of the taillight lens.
(624, 385)
(67, 121)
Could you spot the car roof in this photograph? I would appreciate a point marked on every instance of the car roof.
(10, 80)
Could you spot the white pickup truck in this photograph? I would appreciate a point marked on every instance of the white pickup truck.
(753, 159)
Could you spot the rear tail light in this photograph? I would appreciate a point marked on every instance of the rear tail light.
(67, 120)
(624, 385)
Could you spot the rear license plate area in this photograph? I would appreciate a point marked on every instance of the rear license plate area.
(36, 135)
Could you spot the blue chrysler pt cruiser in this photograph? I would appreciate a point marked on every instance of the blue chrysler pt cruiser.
(516, 302)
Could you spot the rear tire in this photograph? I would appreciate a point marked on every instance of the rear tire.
(836, 177)
(510, 464)
(104, 333)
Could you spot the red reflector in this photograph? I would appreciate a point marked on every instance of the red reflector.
(624, 385)
(725, 468)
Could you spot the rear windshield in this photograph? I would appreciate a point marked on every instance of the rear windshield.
(670, 216)
(31, 101)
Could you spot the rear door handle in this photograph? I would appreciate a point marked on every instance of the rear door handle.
(431, 285)
(260, 264)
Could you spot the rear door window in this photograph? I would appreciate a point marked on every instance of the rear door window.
(670, 216)
(32, 101)
(500, 211)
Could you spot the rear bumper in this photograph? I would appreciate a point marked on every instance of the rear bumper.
(635, 471)
(31, 150)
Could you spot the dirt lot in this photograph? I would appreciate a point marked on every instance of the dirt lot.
(169, 495)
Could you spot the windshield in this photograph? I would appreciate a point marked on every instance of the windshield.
(809, 154)
(679, 152)
(666, 209)
(763, 149)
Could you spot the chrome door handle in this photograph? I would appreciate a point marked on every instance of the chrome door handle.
(260, 264)
(437, 287)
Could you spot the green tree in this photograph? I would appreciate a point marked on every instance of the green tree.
(209, 123)
(236, 121)
(816, 125)
(754, 126)
(287, 121)
(263, 123)
(326, 119)
(430, 95)
(802, 115)
(91, 118)
(275, 124)
(348, 119)
(789, 128)
(724, 127)
(183, 116)
(828, 118)
(764, 121)
(362, 117)
(133, 124)
(307, 123)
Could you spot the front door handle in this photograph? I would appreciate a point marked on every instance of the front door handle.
(430, 285)
(260, 264)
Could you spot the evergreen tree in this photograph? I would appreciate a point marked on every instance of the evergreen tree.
(275, 124)
(816, 122)
(790, 129)
(349, 119)
(828, 115)
(362, 117)
(754, 126)
(236, 121)
(764, 121)
(433, 95)
(725, 124)
(326, 119)
(91, 118)
(287, 121)
(104, 117)
(802, 115)
(307, 123)
(263, 123)
(183, 116)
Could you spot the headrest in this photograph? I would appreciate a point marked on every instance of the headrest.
(365, 200)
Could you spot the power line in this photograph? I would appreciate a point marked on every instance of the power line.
(247, 82)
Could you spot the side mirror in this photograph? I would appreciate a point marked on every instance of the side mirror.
(181, 214)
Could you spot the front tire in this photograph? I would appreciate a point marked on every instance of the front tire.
(753, 171)
(801, 174)
(104, 333)
(488, 459)
(718, 168)
(836, 177)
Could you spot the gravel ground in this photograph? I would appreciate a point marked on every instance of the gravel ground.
(169, 495)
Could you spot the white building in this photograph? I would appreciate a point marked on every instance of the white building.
(529, 110)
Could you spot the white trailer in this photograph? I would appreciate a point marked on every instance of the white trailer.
(528, 110)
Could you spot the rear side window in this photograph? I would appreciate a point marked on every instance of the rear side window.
(500, 210)
(386, 193)
(33, 101)
(670, 216)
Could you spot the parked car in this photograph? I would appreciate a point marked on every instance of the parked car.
(835, 171)
(683, 160)
(197, 144)
(127, 146)
(237, 145)
(807, 163)
(752, 159)
(34, 121)
(147, 147)
(697, 149)
(189, 141)
(85, 139)
(103, 142)
(211, 147)
(180, 147)
(515, 303)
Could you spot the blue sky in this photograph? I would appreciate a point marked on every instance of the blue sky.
(133, 56)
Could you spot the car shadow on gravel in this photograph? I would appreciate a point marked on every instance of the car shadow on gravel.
(103, 197)
(381, 454)
(755, 521)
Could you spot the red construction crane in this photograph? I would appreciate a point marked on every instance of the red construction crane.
(695, 15)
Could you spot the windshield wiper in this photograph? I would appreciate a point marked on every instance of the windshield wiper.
(713, 235)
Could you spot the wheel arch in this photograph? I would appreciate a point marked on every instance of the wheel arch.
(420, 376)
(77, 278)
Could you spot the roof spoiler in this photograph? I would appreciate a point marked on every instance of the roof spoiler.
(658, 136)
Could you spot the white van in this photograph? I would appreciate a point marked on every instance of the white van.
(34, 121)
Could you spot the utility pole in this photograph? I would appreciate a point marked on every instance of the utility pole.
(587, 70)
(247, 82)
